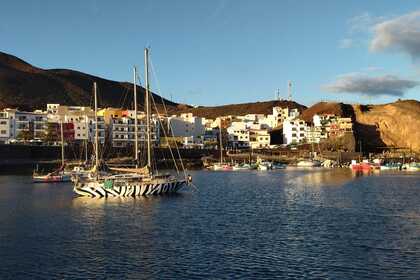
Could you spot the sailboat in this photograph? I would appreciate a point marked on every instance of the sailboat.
(130, 182)
(220, 165)
(59, 175)
(309, 162)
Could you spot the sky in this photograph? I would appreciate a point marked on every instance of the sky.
(221, 52)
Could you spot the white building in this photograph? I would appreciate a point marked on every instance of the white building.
(238, 135)
(82, 118)
(7, 125)
(191, 142)
(14, 123)
(259, 138)
(315, 134)
(282, 114)
(187, 125)
(294, 131)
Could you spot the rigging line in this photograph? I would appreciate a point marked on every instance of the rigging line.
(158, 85)
(160, 122)
(166, 112)
(164, 133)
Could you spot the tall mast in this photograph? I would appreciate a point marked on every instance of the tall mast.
(62, 143)
(146, 67)
(221, 143)
(96, 128)
(136, 140)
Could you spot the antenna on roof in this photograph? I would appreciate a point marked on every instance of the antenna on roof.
(278, 94)
(290, 90)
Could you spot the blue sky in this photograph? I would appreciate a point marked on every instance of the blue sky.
(219, 52)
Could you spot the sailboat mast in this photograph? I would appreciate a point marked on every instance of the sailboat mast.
(96, 128)
(62, 143)
(146, 67)
(221, 143)
(136, 140)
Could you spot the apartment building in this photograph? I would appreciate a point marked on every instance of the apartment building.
(123, 130)
(238, 135)
(294, 131)
(259, 139)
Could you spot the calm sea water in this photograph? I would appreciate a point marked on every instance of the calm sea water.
(325, 224)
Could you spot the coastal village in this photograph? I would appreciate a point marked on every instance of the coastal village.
(250, 131)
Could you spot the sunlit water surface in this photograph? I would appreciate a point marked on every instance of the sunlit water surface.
(298, 224)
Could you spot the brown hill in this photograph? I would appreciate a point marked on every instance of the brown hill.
(395, 124)
(338, 109)
(27, 87)
(377, 126)
(265, 107)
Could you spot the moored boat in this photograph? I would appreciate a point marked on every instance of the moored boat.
(309, 163)
(130, 182)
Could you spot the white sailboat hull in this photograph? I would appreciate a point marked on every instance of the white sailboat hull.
(99, 189)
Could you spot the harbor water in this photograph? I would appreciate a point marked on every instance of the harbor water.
(285, 224)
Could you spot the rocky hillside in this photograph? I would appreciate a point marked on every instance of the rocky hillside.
(376, 126)
(396, 124)
(27, 87)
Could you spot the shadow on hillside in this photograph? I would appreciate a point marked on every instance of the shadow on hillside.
(367, 137)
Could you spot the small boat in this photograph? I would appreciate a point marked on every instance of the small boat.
(263, 165)
(59, 175)
(391, 166)
(362, 166)
(243, 166)
(413, 166)
(278, 166)
(309, 163)
(54, 177)
(220, 166)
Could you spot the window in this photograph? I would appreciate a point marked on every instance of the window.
(3, 132)
(3, 122)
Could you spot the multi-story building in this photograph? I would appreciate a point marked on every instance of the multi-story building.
(186, 125)
(315, 134)
(340, 126)
(123, 130)
(16, 124)
(82, 118)
(294, 131)
(7, 125)
(238, 135)
(282, 114)
(259, 138)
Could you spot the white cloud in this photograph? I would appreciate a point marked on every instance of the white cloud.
(363, 23)
(363, 84)
(358, 29)
(398, 34)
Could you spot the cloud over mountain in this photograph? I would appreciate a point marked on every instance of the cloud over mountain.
(398, 34)
(371, 86)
